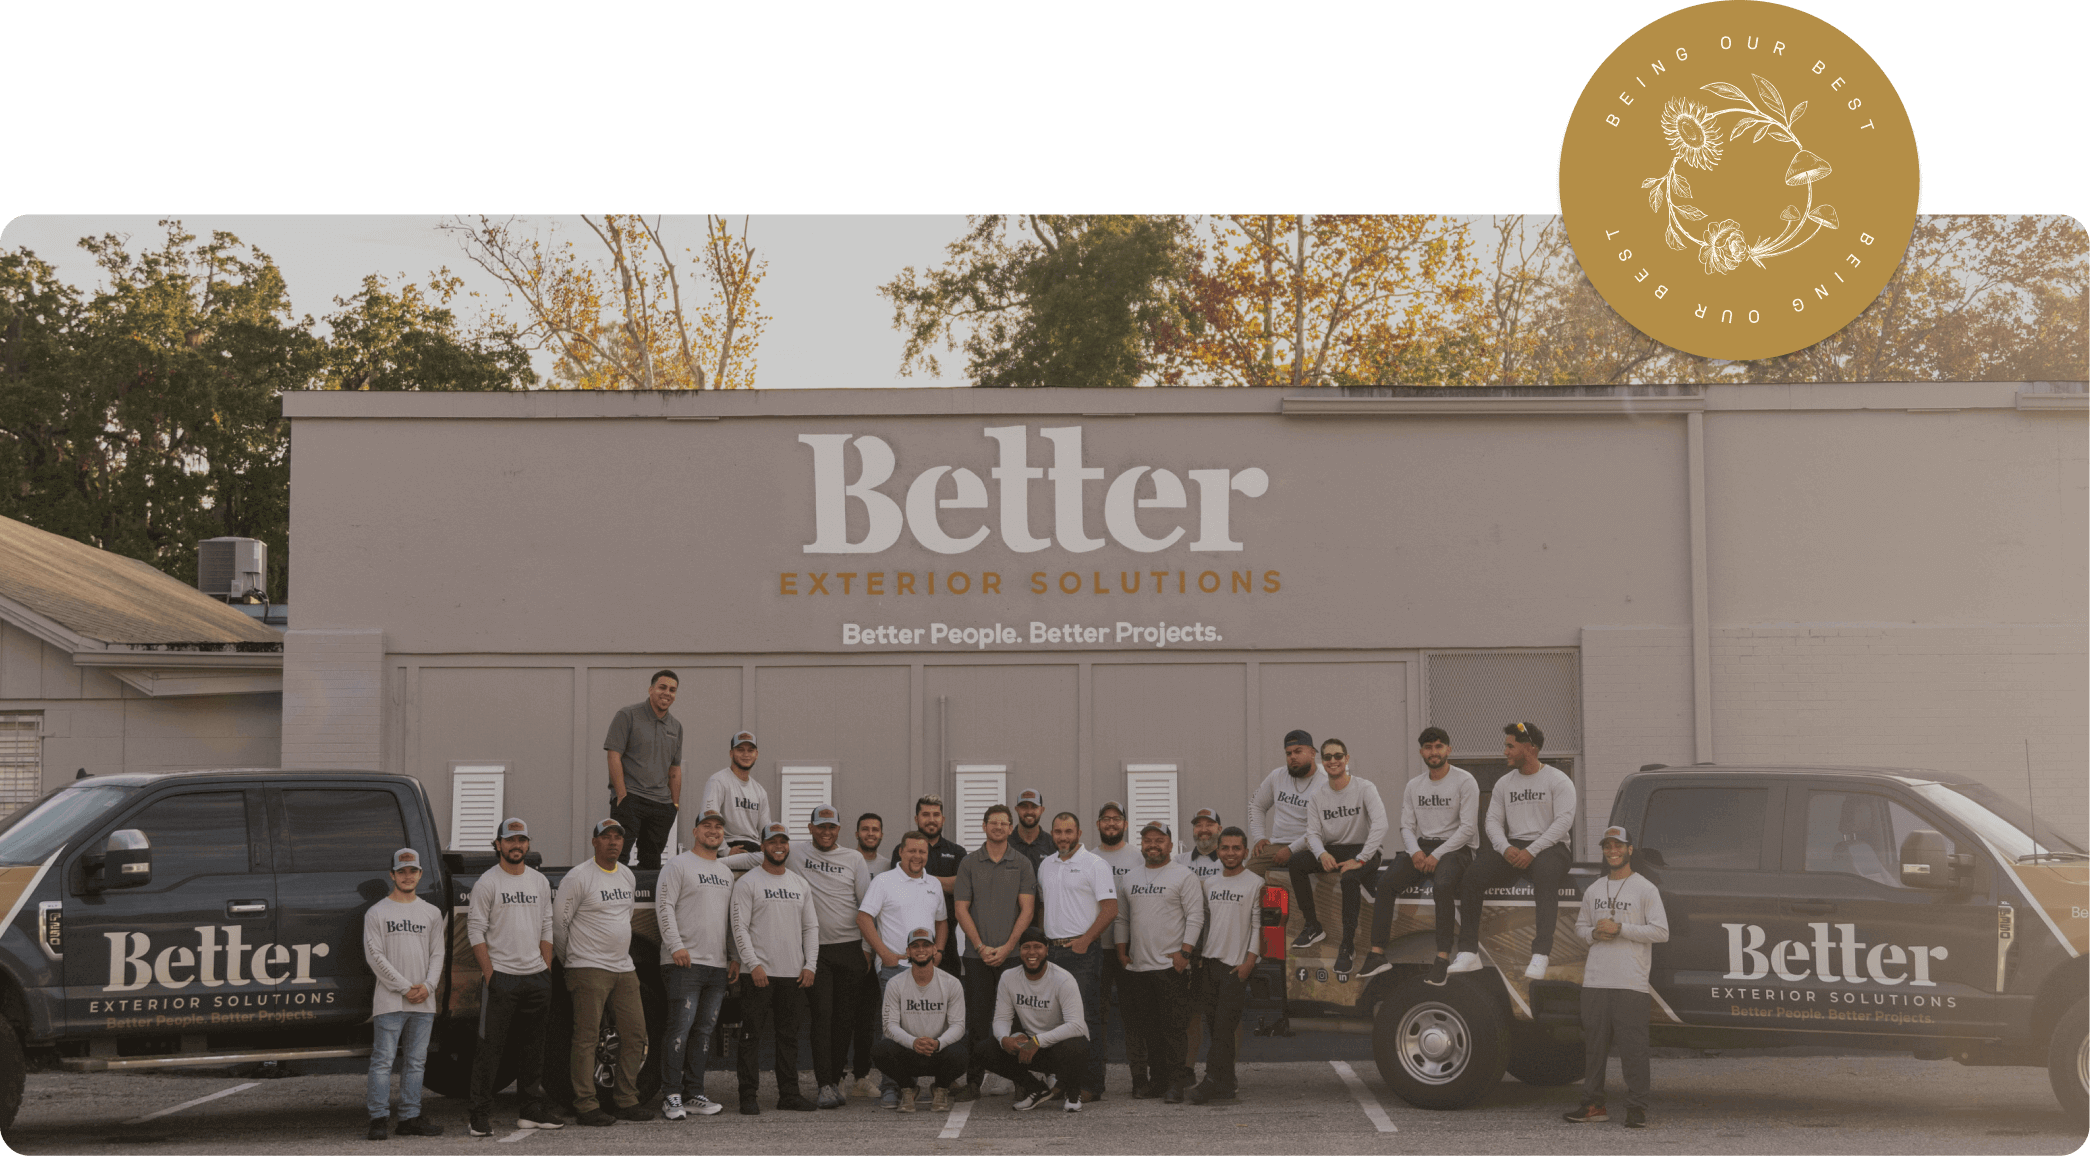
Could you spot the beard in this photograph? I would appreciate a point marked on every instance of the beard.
(1208, 846)
(1034, 972)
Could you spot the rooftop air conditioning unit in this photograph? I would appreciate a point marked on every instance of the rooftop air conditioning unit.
(230, 569)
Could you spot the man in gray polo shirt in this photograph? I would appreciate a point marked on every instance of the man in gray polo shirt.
(645, 757)
(995, 896)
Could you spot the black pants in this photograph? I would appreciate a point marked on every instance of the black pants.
(832, 1004)
(647, 825)
(1404, 874)
(1615, 1020)
(1305, 864)
(785, 1006)
(1114, 988)
(1547, 873)
(1221, 996)
(980, 982)
(906, 1066)
(512, 1011)
(870, 1002)
(1066, 1060)
(1157, 1009)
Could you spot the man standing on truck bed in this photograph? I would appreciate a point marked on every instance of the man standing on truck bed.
(693, 901)
(1440, 811)
(735, 793)
(1277, 810)
(1161, 913)
(645, 757)
(1622, 919)
(1345, 827)
(591, 933)
(509, 925)
(776, 930)
(403, 943)
(1529, 817)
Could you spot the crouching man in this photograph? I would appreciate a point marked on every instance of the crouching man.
(924, 1019)
(1039, 1026)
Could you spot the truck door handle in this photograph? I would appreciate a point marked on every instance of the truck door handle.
(246, 907)
(1811, 907)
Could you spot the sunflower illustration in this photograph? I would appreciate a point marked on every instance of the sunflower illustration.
(1690, 133)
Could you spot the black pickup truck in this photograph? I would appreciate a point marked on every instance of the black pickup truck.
(1864, 907)
(206, 918)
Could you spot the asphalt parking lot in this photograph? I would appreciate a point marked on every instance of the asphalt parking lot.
(1717, 1104)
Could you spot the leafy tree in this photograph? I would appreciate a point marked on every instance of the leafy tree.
(382, 340)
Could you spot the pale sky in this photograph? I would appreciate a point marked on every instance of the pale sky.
(828, 326)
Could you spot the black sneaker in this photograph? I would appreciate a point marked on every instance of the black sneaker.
(1224, 1096)
(595, 1118)
(1440, 973)
(480, 1124)
(637, 1113)
(748, 1107)
(1202, 1093)
(418, 1126)
(1345, 958)
(1174, 1095)
(1588, 1114)
(540, 1116)
(380, 1128)
(796, 1104)
(1636, 1117)
(1308, 936)
(1144, 1090)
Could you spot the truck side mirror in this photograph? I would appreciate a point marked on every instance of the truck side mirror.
(125, 861)
(1927, 861)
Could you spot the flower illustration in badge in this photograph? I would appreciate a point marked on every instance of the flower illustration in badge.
(1693, 136)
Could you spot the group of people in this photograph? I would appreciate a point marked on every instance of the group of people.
(858, 943)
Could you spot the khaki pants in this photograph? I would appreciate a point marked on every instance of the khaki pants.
(1263, 865)
(594, 988)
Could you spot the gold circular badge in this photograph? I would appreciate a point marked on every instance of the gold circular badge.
(1739, 180)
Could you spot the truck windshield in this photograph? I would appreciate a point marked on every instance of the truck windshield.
(2006, 825)
(32, 833)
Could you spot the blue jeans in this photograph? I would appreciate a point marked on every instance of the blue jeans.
(407, 1033)
(694, 995)
(886, 1083)
(1087, 970)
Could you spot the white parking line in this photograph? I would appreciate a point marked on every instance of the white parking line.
(518, 1134)
(192, 1103)
(954, 1126)
(1363, 1096)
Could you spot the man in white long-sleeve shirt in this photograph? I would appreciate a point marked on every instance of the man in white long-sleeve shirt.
(1621, 919)
(1530, 815)
(1233, 942)
(1277, 809)
(1440, 825)
(923, 1019)
(693, 900)
(1161, 913)
(1039, 1026)
(508, 924)
(591, 932)
(776, 931)
(403, 943)
(1346, 825)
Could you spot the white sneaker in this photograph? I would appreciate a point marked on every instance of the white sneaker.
(1536, 969)
(1464, 961)
(864, 1089)
(671, 1109)
(703, 1106)
(996, 1085)
(1074, 1104)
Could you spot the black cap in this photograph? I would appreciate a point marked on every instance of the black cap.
(1032, 934)
(1298, 739)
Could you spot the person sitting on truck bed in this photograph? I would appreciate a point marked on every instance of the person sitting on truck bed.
(735, 792)
(1277, 810)
(1529, 817)
(776, 931)
(592, 930)
(1621, 919)
(403, 943)
(1345, 827)
(1440, 812)
(509, 925)
(693, 902)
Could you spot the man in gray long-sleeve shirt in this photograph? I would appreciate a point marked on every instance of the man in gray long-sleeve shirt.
(776, 930)
(591, 933)
(1440, 827)
(1345, 827)
(693, 900)
(509, 925)
(1039, 1026)
(1530, 813)
(1161, 912)
(1621, 919)
(403, 943)
(923, 1016)
(1233, 942)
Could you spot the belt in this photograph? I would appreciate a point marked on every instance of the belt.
(1063, 942)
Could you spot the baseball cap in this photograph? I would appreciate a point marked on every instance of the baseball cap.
(710, 815)
(1208, 813)
(406, 857)
(775, 831)
(512, 827)
(1298, 739)
(920, 935)
(824, 815)
(1113, 805)
(1033, 934)
(1618, 833)
(740, 737)
(605, 825)
(1157, 825)
(1029, 796)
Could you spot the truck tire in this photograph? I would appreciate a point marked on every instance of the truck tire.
(450, 1056)
(14, 1073)
(2068, 1062)
(1538, 1059)
(1440, 1047)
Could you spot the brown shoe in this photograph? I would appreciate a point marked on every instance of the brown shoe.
(940, 1100)
(907, 1096)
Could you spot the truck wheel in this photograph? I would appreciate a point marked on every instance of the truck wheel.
(2068, 1062)
(14, 1073)
(1440, 1047)
(1542, 1061)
